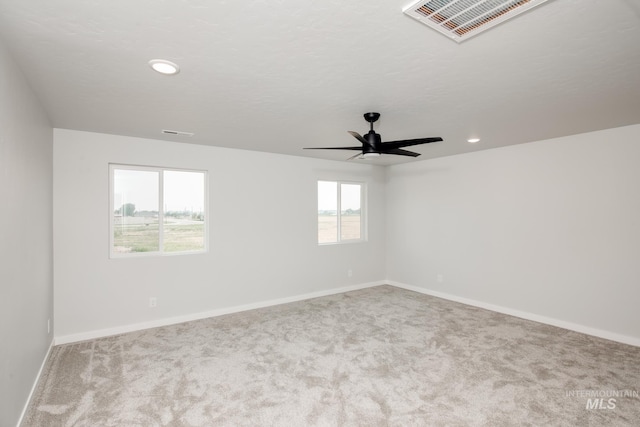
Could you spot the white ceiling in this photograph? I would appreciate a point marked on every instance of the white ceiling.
(281, 75)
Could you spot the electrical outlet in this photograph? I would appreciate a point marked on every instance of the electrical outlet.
(349, 273)
(440, 278)
(48, 326)
(153, 302)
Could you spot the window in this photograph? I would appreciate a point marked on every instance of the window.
(340, 212)
(156, 211)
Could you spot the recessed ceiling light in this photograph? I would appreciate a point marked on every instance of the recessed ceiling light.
(473, 140)
(164, 67)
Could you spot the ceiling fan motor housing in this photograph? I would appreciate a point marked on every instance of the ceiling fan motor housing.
(374, 140)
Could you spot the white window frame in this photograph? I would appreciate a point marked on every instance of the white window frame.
(363, 212)
(160, 252)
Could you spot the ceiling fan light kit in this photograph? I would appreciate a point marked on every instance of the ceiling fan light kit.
(372, 145)
(370, 155)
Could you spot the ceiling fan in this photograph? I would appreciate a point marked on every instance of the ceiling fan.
(372, 145)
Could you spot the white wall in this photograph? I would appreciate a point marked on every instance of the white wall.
(26, 277)
(263, 234)
(550, 229)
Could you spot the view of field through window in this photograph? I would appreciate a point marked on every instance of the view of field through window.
(339, 211)
(148, 220)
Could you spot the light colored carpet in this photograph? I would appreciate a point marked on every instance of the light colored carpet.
(381, 356)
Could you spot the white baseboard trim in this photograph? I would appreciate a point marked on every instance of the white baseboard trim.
(89, 335)
(83, 336)
(600, 333)
(35, 383)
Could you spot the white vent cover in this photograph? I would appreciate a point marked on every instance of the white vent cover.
(177, 132)
(462, 19)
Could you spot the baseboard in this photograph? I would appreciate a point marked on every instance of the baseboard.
(600, 333)
(35, 383)
(89, 335)
(66, 339)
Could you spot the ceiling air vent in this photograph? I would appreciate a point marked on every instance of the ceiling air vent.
(462, 19)
(176, 132)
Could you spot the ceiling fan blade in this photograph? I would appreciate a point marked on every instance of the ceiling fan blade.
(333, 148)
(409, 142)
(359, 137)
(355, 156)
(400, 152)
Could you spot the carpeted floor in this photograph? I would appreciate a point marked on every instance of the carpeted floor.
(381, 356)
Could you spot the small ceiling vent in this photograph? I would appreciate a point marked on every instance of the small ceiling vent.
(177, 132)
(462, 19)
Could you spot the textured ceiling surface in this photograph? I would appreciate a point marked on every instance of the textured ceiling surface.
(281, 75)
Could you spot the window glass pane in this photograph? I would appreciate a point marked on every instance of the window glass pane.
(135, 216)
(183, 196)
(327, 212)
(350, 212)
